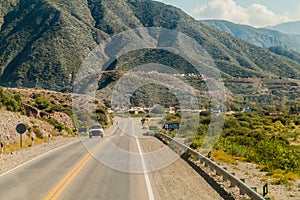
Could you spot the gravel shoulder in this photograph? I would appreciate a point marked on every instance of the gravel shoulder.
(177, 180)
(12, 160)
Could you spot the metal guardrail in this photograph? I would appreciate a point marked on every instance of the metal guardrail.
(244, 189)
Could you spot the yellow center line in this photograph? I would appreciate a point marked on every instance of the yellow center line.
(61, 186)
(122, 130)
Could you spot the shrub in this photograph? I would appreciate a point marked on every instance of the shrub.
(37, 132)
(11, 102)
(42, 103)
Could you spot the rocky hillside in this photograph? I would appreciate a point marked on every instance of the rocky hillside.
(43, 42)
(37, 128)
(25, 106)
(44, 112)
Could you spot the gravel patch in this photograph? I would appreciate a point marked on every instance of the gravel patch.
(256, 179)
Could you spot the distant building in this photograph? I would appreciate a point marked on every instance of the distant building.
(172, 110)
(230, 112)
(275, 113)
(217, 111)
(138, 110)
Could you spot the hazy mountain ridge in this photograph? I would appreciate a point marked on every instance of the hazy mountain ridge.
(287, 28)
(258, 36)
(43, 43)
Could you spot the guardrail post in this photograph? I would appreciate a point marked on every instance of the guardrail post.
(217, 172)
(205, 164)
(211, 168)
(231, 183)
(241, 191)
(224, 178)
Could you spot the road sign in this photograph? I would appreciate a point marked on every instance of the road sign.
(143, 121)
(153, 128)
(21, 128)
(171, 126)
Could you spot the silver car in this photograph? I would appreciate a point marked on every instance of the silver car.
(96, 130)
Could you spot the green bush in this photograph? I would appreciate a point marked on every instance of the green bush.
(58, 126)
(42, 103)
(11, 102)
(37, 132)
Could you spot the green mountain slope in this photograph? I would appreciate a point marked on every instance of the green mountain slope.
(283, 52)
(5, 7)
(258, 36)
(43, 42)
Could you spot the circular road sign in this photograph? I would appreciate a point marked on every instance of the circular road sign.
(21, 128)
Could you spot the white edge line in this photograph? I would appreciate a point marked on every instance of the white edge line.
(148, 184)
(35, 158)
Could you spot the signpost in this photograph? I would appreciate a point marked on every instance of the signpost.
(21, 129)
(265, 189)
(32, 141)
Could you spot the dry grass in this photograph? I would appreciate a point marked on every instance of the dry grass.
(282, 177)
(26, 143)
(291, 176)
(221, 156)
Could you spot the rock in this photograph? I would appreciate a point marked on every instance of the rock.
(31, 111)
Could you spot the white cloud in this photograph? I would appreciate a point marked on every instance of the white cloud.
(256, 15)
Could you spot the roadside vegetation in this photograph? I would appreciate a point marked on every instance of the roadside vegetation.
(273, 142)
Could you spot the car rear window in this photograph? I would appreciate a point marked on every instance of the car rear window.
(96, 127)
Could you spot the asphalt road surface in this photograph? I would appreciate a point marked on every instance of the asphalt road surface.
(112, 167)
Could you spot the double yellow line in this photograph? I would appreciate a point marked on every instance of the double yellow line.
(61, 186)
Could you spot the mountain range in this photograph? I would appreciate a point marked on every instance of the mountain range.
(261, 37)
(43, 42)
(287, 28)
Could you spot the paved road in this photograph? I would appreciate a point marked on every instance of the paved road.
(98, 168)
(73, 172)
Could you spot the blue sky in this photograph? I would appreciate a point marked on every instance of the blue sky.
(257, 13)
